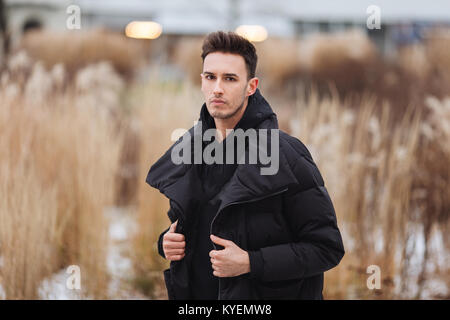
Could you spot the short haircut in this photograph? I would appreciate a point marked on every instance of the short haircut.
(231, 42)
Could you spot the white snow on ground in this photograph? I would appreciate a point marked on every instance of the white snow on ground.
(54, 288)
(119, 266)
(349, 242)
(2, 293)
(441, 256)
(433, 288)
(121, 228)
(434, 285)
(379, 243)
(439, 259)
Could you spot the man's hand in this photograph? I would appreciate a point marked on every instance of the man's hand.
(232, 261)
(173, 244)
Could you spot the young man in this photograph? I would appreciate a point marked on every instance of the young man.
(237, 232)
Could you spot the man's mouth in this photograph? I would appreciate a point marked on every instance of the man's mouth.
(218, 101)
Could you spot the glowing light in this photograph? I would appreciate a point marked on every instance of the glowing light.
(254, 33)
(143, 30)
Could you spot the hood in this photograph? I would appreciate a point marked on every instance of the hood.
(257, 111)
(181, 184)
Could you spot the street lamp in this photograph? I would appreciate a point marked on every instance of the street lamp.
(143, 30)
(254, 33)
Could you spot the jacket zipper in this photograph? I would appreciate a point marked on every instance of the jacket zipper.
(240, 202)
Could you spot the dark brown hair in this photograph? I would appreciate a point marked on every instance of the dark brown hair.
(230, 42)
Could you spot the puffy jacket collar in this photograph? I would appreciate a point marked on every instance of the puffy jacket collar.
(258, 110)
(181, 184)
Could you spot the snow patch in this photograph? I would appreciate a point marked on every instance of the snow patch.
(55, 288)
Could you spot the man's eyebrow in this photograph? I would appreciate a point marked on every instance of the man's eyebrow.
(231, 75)
(225, 74)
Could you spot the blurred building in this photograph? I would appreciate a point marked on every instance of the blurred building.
(402, 20)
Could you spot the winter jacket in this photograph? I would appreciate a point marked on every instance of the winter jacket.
(285, 221)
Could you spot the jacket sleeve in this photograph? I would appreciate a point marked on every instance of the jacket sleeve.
(160, 243)
(317, 244)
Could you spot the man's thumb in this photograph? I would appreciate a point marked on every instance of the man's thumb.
(222, 242)
(173, 226)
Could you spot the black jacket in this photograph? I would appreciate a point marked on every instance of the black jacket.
(285, 221)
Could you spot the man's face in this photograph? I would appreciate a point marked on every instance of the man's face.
(224, 84)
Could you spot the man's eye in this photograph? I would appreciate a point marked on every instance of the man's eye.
(209, 77)
(230, 79)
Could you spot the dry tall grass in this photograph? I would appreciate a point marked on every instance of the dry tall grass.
(76, 50)
(349, 62)
(27, 226)
(67, 139)
(158, 110)
(375, 175)
(60, 154)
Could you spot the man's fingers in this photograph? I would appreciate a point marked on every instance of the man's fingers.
(174, 245)
(217, 274)
(171, 252)
(173, 226)
(176, 257)
(173, 237)
(215, 254)
(220, 241)
(216, 263)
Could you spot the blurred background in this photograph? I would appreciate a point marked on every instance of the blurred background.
(90, 92)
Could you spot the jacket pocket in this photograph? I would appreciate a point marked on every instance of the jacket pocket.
(168, 281)
(280, 290)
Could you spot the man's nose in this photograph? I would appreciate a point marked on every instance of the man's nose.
(218, 87)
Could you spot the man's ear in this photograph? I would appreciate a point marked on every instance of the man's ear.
(252, 86)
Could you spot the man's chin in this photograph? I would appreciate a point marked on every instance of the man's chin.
(221, 115)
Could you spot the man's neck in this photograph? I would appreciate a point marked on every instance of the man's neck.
(223, 124)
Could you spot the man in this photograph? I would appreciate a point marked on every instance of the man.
(237, 233)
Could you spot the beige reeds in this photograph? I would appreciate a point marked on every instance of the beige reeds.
(159, 110)
(76, 50)
(60, 160)
(372, 172)
(61, 152)
(28, 212)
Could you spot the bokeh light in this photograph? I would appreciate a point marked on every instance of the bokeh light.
(143, 30)
(254, 33)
